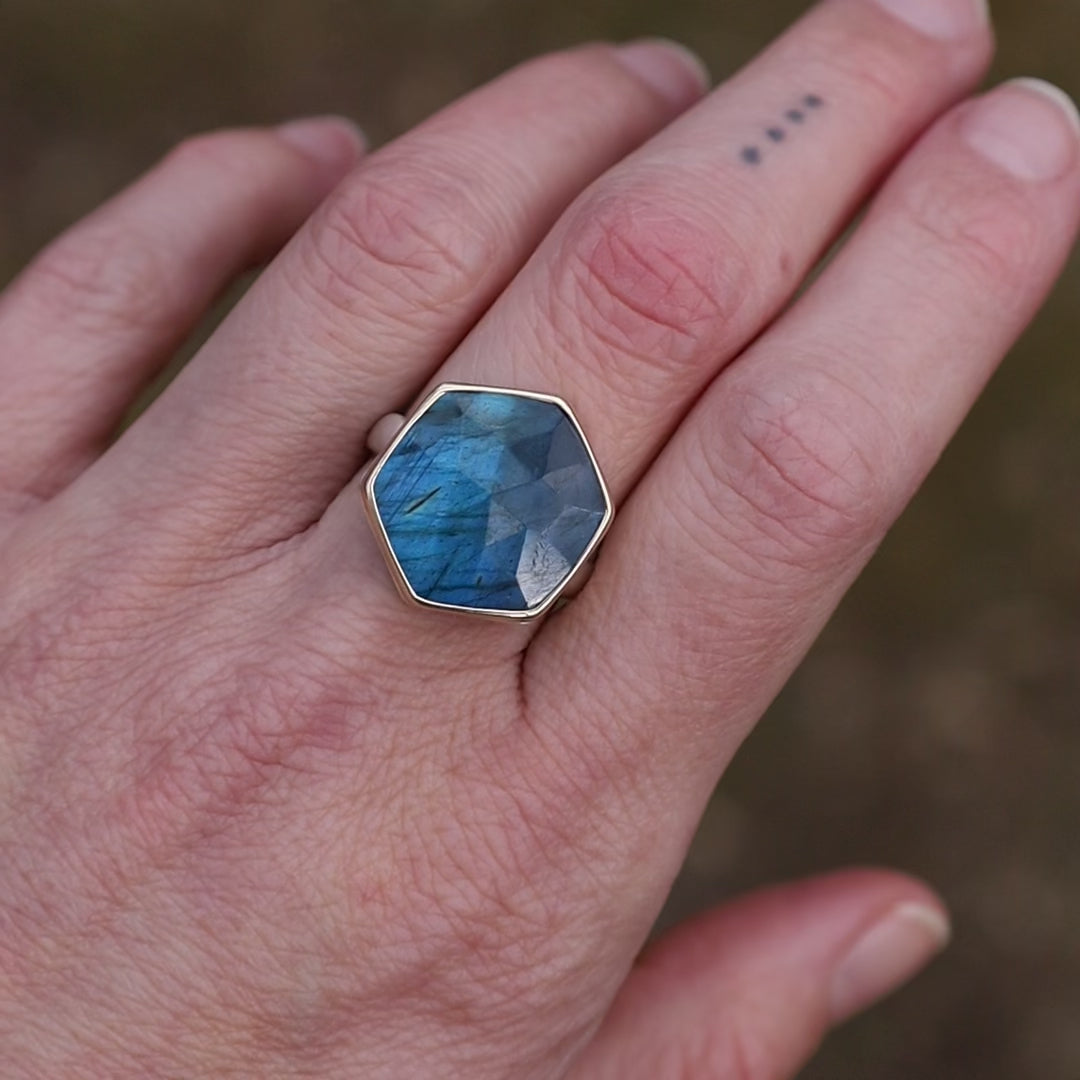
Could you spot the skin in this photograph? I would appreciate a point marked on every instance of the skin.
(260, 818)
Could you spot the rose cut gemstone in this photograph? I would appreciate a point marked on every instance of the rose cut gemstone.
(489, 500)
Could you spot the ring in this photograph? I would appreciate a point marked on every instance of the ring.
(487, 501)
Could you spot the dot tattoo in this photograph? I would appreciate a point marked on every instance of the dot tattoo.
(777, 133)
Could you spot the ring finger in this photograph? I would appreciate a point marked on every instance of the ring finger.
(268, 421)
(664, 270)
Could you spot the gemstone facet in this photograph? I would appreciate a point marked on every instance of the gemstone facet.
(489, 500)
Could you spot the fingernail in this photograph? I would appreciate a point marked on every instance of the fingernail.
(948, 20)
(887, 956)
(331, 141)
(671, 69)
(1027, 127)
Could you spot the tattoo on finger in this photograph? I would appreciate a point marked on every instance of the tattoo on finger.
(795, 116)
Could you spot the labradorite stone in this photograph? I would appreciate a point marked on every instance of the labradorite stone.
(489, 500)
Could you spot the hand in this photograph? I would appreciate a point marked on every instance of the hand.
(259, 818)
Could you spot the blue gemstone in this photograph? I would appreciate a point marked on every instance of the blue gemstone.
(489, 501)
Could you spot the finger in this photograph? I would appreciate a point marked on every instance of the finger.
(382, 284)
(750, 990)
(778, 486)
(674, 260)
(100, 310)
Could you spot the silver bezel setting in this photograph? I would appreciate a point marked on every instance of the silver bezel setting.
(371, 507)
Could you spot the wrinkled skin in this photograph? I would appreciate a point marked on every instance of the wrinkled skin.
(258, 817)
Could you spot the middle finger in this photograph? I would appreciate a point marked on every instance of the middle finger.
(671, 263)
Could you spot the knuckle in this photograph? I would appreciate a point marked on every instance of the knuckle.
(733, 1052)
(230, 152)
(400, 239)
(747, 1053)
(872, 66)
(242, 166)
(565, 73)
(641, 278)
(886, 70)
(561, 80)
(102, 281)
(808, 458)
(979, 227)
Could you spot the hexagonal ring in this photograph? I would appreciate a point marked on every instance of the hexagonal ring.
(487, 501)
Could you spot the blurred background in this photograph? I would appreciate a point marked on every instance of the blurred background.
(935, 726)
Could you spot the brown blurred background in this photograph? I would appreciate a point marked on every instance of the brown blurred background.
(934, 727)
